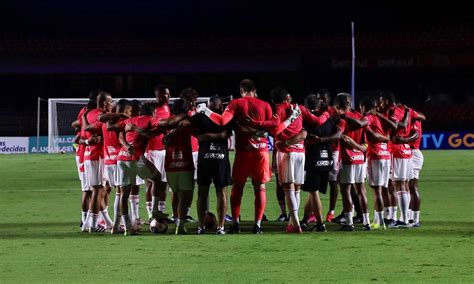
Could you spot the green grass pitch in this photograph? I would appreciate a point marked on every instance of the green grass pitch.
(40, 239)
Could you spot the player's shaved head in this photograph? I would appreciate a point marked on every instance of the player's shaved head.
(279, 95)
(342, 101)
(324, 95)
(215, 104)
(312, 102)
(190, 95)
(247, 88)
(367, 104)
(162, 93)
(147, 109)
(386, 99)
(122, 104)
(103, 99)
(136, 105)
(388, 96)
(180, 107)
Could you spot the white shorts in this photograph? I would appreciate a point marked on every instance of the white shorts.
(128, 172)
(94, 172)
(379, 172)
(290, 167)
(336, 166)
(82, 176)
(351, 174)
(111, 174)
(416, 163)
(195, 160)
(139, 181)
(157, 157)
(401, 169)
(78, 166)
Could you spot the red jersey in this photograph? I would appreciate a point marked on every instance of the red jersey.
(155, 143)
(401, 151)
(332, 111)
(194, 140)
(179, 157)
(417, 126)
(133, 138)
(351, 156)
(281, 114)
(258, 110)
(112, 145)
(81, 148)
(93, 152)
(377, 150)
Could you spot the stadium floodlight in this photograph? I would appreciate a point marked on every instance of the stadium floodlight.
(63, 111)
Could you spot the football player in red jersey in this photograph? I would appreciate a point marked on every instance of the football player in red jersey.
(377, 135)
(353, 171)
(112, 146)
(156, 152)
(179, 165)
(399, 117)
(77, 126)
(417, 164)
(131, 160)
(251, 158)
(93, 160)
(290, 158)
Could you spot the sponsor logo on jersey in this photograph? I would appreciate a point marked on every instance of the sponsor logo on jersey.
(357, 157)
(324, 154)
(297, 146)
(178, 164)
(323, 163)
(214, 147)
(258, 145)
(124, 153)
(214, 156)
(178, 155)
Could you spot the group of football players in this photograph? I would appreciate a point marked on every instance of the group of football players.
(124, 144)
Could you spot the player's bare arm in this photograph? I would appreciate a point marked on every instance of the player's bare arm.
(356, 123)
(406, 116)
(352, 144)
(376, 136)
(303, 135)
(125, 144)
(313, 119)
(329, 139)
(218, 119)
(213, 136)
(112, 116)
(391, 124)
(405, 140)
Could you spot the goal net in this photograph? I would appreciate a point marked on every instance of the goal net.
(62, 112)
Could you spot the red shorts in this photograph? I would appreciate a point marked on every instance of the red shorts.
(251, 164)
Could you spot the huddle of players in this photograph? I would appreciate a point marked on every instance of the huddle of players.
(121, 146)
(381, 138)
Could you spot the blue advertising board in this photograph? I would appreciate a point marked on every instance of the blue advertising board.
(447, 140)
(64, 144)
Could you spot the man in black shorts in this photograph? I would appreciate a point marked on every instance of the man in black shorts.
(213, 163)
(318, 159)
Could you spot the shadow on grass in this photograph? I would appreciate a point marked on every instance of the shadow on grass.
(70, 230)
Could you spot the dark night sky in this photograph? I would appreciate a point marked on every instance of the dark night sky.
(139, 18)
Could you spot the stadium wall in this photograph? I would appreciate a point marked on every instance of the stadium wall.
(436, 140)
